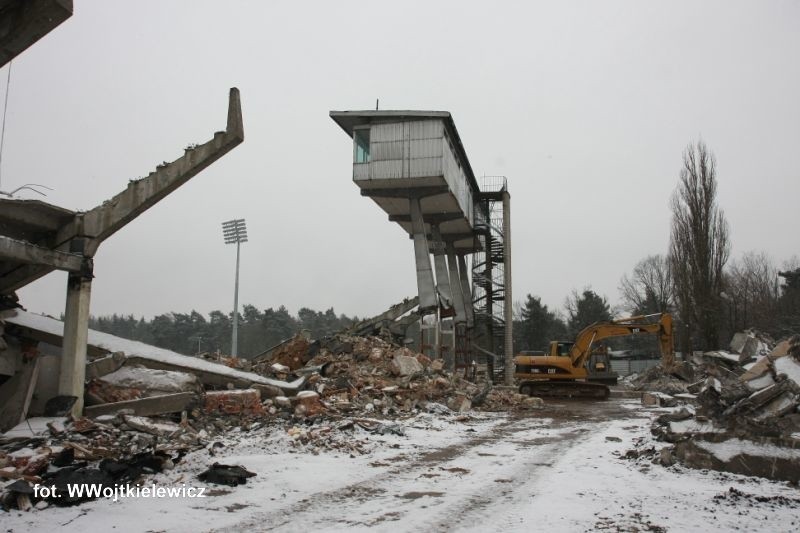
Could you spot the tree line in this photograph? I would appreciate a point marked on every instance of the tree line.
(192, 333)
(710, 297)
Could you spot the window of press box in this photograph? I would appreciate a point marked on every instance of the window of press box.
(361, 137)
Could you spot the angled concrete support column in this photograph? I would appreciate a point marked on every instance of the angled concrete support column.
(466, 290)
(442, 276)
(76, 331)
(428, 302)
(456, 285)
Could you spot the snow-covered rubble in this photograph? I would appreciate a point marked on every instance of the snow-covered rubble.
(747, 419)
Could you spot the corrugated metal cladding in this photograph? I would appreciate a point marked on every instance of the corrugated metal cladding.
(383, 170)
(456, 179)
(360, 171)
(386, 132)
(382, 151)
(422, 167)
(405, 150)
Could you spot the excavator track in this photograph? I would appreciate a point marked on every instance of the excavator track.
(565, 389)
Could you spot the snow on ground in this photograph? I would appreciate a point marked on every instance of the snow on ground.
(561, 469)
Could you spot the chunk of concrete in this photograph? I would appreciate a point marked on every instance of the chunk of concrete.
(404, 365)
(308, 403)
(784, 403)
(759, 368)
(267, 391)
(105, 365)
(246, 401)
(658, 399)
(459, 403)
(146, 425)
(780, 349)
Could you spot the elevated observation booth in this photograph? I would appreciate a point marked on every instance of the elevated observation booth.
(413, 165)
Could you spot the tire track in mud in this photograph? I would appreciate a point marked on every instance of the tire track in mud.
(530, 445)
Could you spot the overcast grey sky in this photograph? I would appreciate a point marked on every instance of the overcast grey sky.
(586, 107)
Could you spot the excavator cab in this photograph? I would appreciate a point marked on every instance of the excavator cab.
(562, 348)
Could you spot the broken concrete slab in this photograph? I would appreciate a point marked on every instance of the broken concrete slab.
(784, 403)
(159, 428)
(748, 345)
(134, 382)
(725, 357)
(138, 353)
(155, 405)
(764, 459)
(758, 369)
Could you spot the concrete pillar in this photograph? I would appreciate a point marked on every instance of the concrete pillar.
(508, 307)
(76, 332)
(466, 290)
(428, 302)
(456, 286)
(440, 262)
(447, 343)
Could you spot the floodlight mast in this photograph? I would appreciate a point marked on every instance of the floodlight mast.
(235, 231)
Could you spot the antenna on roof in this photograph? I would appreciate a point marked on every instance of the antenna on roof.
(376, 103)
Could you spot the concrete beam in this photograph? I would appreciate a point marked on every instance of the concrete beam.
(406, 192)
(155, 405)
(104, 220)
(109, 217)
(23, 22)
(433, 218)
(25, 252)
(449, 237)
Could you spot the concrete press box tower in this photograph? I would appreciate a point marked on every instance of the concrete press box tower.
(414, 166)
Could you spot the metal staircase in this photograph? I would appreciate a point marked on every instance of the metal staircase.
(488, 280)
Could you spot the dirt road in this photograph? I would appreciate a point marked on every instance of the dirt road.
(499, 463)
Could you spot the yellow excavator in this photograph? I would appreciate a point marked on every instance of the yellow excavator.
(562, 373)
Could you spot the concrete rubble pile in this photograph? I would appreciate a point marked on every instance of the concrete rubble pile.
(740, 413)
(370, 375)
(142, 415)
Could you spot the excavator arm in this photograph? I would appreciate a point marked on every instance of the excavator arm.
(635, 325)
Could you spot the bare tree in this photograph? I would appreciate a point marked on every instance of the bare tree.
(699, 248)
(649, 288)
(751, 292)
